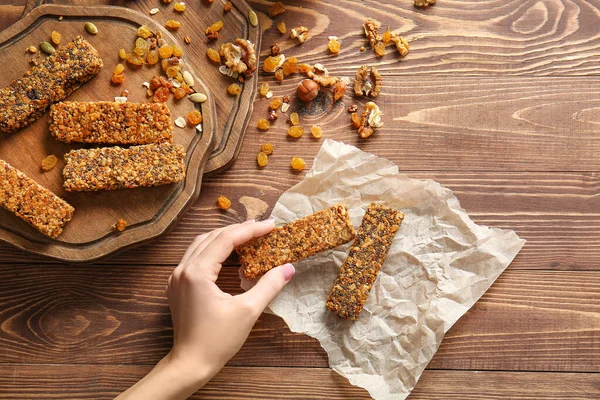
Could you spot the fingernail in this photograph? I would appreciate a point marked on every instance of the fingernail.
(270, 220)
(251, 220)
(288, 271)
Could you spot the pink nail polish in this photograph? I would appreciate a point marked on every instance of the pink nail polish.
(288, 271)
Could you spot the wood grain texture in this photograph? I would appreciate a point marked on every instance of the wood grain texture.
(89, 235)
(528, 320)
(242, 383)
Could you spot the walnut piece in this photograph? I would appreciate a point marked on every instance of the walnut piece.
(367, 82)
(370, 119)
(340, 88)
(274, 49)
(424, 3)
(240, 57)
(248, 55)
(300, 33)
(401, 44)
(371, 27)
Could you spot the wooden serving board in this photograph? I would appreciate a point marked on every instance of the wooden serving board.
(148, 211)
(233, 113)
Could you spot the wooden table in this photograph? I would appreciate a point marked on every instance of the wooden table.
(498, 100)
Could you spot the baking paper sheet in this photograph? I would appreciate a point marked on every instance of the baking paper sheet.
(439, 265)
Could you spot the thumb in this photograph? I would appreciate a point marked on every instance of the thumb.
(269, 286)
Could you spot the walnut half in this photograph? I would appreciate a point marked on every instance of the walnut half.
(370, 119)
(367, 82)
(371, 27)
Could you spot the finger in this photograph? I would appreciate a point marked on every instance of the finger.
(268, 287)
(197, 241)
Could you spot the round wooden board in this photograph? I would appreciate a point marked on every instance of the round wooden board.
(233, 113)
(148, 211)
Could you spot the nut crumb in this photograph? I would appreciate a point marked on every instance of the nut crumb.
(352, 108)
(274, 50)
(300, 33)
(120, 225)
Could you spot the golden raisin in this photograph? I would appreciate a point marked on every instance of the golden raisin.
(179, 7)
(227, 6)
(316, 131)
(213, 55)
(290, 66)
(296, 131)
(55, 37)
(134, 59)
(276, 9)
(49, 162)
(234, 89)
(334, 45)
(263, 124)
(172, 24)
(224, 203)
(140, 46)
(144, 32)
(179, 93)
(276, 103)
(173, 71)
(387, 36)
(294, 119)
(272, 63)
(120, 225)
(161, 95)
(119, 69)
(165, 51)
(152, 57)
(267, 148)
(262, 159)
(380, 49)
(216, 27)
(305, 68)
(281, 27)
(117, 79)
(264, 88)
(122, 54)
(177, 51)
(194, 117)
(279, 75)
(356, 120)
(297, 163)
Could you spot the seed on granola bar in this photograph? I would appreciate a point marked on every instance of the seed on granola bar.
(32, 202)
(365, 259)
(299, 239)
(56, 77)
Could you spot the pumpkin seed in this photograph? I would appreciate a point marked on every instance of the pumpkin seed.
(154, 11)
(253, 18)
(91, 28)
(188, 78)
(180, 122)
(47, 48)
(198, 97)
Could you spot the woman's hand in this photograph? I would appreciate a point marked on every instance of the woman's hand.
(209, 325)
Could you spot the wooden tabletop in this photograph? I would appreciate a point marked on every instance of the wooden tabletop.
(498, 100)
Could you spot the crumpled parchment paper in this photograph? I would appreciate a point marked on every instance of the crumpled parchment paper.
(439, 265)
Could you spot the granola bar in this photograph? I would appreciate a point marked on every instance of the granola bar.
(299, 239)
(27, 98)
(367, 254)
(32, 202)
(110, 168)
(111, 123)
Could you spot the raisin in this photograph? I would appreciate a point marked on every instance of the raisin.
(380, 49)
(177, 51)
(165, 51)
(272, 63)
(356, 122)
(212, 31)
(263, 124)
(134, 59)
(144, 32)
(276, 103)
(152, 57)
(290, 66)
(334, 46)
(122, 54)
(387, 36)
(117, 79)
(262, 159)
(173, 71)
(140, 46)
(179, 7)
(297, 163)
(119, 69)
(213, 55)
(296, 131)
(179, 93)
(317, 132)
(264, 88)
(161, 95)
(55, 37)
(281, 27)
(120, 225)
(224, 203)
(294, 119)
(234, 89)
(172, 24)
(279, 74)
(194, 117)
(267, 148)
(227, 6)
(49, 162)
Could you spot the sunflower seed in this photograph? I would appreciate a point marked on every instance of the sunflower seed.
(91, 28)
(198, 97)
(47, 48)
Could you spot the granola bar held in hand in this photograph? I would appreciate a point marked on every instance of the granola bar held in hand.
(299, 239)
(32, 202)
(373, 240)
(56, 77)
(111, 123)
(109, 168)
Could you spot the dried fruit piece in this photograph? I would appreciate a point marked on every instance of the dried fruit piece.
(316, 132)
(279, 75)
(47, 48)
(274, 49)
(224, 203)
(300, 33)
(179, 7)
(267, 148)
(144, 32)
(234, 89)
(264, 88)
(253, 18)
(355, 118)
(227, 6)
(152, 57)
(297, 163)
(263, 124)
(281, 27)
(290, 66)
(161, 95)
(424, 3)
(276, 103)
(49, 162)
(307, 90)
(91, 28)
(340, 89)
(296, 131)
(165, 51)
(122, 54)
(173, 71)
(262, 159)
(55, 37)
(194, 117)
(276, 9)
(271, 64)
(334, 45)
(379, 49)
(140, 46)
(117, 79)
(294, 118)
(179, 93)
(370, 119)
(212, 32)
(172, 24)
(213, 55)
(367, 82)
(135, 59)
(387, 36)
(119, 69)
(371, 28)
(120, 225)
(31, 50)
(177, 51)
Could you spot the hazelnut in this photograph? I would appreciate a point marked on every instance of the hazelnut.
(307, 90)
